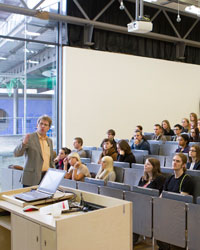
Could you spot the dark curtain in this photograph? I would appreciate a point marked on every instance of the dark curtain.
(129, 44)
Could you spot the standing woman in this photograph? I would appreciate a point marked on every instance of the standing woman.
(106, 171)
(193, 120)
(166, 128)
(124, 152)
(186, 125)
(194, 158)
(152, 177)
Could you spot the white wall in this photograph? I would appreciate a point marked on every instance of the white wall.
(104, 90)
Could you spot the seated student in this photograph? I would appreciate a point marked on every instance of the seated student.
(158, 133)
(167, 128)
(106, 171)
(193, 120)
(179, 182)
(185, 125)
(108, 150)
(77, 170)
(183, 143)
(124, 152)
(198, 124)
(139, 127)
(139, 142)
(177, 130)
(152, 177)
(110, 135)
(194, 135)
(78, 147)
(194, 158)
(63, 153)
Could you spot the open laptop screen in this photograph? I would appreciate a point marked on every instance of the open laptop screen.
(51, 180)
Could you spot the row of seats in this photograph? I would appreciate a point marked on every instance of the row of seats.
(140, 156)
(166, 219)
(156, 147)
(131, 176)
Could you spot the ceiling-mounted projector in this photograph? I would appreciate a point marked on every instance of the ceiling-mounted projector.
(140, 26)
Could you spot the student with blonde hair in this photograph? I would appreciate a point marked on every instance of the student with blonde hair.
(77, 170)
(106, 171)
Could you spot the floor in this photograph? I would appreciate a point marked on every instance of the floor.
(145, 244)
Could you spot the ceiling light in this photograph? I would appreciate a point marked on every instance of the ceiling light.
(193, 10)
(150, 1)
(9, 40)
(121, 7)
(3, 58)
(50, 45)
(29, 33)
(33, 62)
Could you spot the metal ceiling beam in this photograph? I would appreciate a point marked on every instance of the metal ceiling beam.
(155, 15)
(191, 28)
(164, 7)
(98, 25)
(172, 25)
(28, 40)
(127, 12)
(81, 9)
(38, 4)
(103, 10)
(24, 4)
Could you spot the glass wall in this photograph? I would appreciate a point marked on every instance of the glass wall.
(28, 76)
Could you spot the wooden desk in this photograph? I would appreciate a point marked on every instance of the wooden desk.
(108, 228)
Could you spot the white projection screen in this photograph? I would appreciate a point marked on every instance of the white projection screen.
(103, 90)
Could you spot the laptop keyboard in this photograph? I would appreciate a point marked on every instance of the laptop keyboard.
(35, 194)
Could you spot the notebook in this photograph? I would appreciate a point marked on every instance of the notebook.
(47, 187)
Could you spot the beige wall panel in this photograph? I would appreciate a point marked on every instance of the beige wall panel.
(104, 90)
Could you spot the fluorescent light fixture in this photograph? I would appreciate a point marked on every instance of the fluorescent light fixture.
(50, 45)
(3, 58)
(10, 40)
(29, 33)
(33, 62)
(193, 10)
(150, 1)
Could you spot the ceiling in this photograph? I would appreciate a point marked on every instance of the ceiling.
(16, 51)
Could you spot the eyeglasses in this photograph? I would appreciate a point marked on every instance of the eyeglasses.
(192, 150)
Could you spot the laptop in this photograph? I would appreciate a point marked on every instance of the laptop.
(47, 187)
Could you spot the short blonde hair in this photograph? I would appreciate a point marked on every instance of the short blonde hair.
(74, 155)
